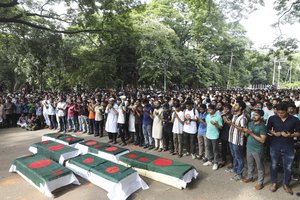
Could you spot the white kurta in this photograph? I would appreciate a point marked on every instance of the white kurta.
(157, 128)
(111, 125)
(131, 123)
(1, 113)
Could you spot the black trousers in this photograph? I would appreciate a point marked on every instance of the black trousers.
(190, 142)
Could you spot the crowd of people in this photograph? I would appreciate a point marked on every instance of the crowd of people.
(228, 127)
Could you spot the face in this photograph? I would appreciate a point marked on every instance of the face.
(226, 110)
(188, 106)
(282, 114)
(202, 110)
(236, 107)
(211, 111)
(256, 117)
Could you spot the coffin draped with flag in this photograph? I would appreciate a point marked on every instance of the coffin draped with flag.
(102, 150)
(54, 150)
(119, 181)
(65, 139)
(171, 172)
(43, 173)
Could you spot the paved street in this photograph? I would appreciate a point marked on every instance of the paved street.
(210, 184)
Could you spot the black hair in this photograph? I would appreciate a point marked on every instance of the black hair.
(241, 104)
(203, 106)
(211, 106)
(282, 106)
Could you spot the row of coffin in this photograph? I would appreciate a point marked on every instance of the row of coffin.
(110, 167)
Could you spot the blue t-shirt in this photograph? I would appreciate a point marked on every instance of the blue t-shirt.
(202, 125)
(147, 120)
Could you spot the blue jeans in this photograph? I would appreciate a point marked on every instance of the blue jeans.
(287, 154)
(71, 123)
(238, 158)
(147, 132)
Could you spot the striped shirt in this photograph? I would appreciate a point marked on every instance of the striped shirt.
(235, 136)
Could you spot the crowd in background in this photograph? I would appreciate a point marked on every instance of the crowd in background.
(218, 127)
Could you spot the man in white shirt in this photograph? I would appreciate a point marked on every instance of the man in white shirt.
(121, 120)
(112, 120)
(61, 113)
(178, 120)
(190, 128)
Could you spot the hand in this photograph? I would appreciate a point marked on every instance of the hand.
(285, 134)
(277, 134)
(213, 122)
(247, 131)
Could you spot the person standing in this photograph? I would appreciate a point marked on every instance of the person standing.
(213, 125)
(91, 117)
(111, 125)
(190, 128)
(61, 113)
(157, 129)
(202, 146)
(178, 120)
(237, 138)
(121, 120)
(147, 125)
(283, 128)
(256, 136)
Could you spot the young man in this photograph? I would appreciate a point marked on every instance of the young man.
(121, 120)
(178, 120)
(202, 132)
(112, 120)
(237, 138)
(157, 129)
(61, 113)
(256, 137)
(190, 128)
(147, 124)
(213, 125)
(283, 127)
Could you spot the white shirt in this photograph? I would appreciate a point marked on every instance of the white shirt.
(51, 109)
(63, 106)
(98, 113)
(190, 126)
(177, 125)
(111, 121)
(121, 115)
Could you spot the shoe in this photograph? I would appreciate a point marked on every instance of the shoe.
(273, 187)
(288, 189)
(165, 150)
(146, 146)
(193, 156)
(229, 170)
(96, 135)
(258, 186)
(179, 155)
(151, 147)
(215, 167)
(236, 178)
(160, 150)
(156, 149)
(204, 159)
(174, 153)
(186, 154)
(124, 144)
(208, 163)
(247, 180)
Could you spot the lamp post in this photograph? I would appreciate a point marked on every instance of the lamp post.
(278, 81)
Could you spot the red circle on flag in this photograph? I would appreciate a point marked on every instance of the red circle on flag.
(56, 147)
(91, 143)
(144, 159)
(40, 164)
(88, 160)
(45, 142)
(132, 156)
(98, 146)
(70, 139)
(57, 172)
(163, 162)
(111, 148)
(112, 170)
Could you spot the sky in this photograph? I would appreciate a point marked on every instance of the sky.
(259, 30)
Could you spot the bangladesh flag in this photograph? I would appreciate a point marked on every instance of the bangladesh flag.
(95, 147)
(64, 138)
(101, 167)
(54, 150)
(41, 170)
(155, 163)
